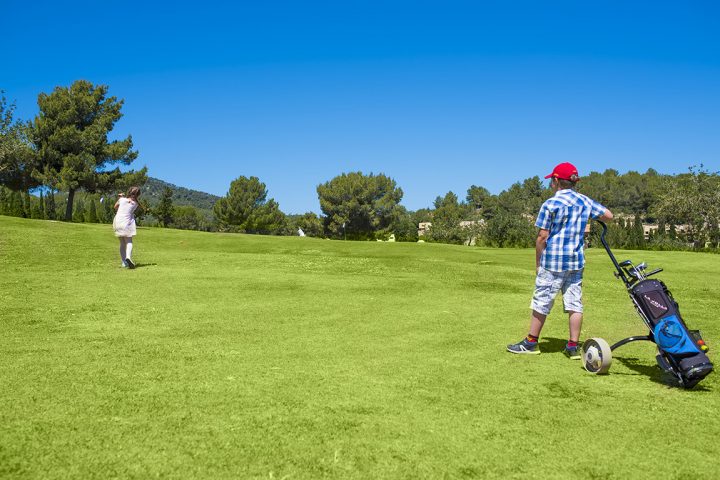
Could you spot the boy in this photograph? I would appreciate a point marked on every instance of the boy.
(559, 258)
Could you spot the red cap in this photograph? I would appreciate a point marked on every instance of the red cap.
(565, 171)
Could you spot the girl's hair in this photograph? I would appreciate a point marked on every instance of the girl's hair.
(134, 193)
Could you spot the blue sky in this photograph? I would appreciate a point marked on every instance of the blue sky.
(437, 95)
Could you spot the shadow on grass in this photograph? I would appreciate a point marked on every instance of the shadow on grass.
(640, 367)
(143, 265)
(552, 345)
(655, 373)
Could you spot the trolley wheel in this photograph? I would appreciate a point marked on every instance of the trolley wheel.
(597, 356)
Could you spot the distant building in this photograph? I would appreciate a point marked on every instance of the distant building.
(424, 227)
(471, 223)
(649, 229)
(652, 229)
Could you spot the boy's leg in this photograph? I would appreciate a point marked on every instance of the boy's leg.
(537, 321)
(529, 344)
(572, 300)
(547, 286)
(575, 320)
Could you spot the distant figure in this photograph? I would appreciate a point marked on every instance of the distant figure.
(124, 224)
(300, 232)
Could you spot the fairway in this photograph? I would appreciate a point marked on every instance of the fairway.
(239, 356)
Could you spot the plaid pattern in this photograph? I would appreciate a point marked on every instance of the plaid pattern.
(566, 214)
(548, 284)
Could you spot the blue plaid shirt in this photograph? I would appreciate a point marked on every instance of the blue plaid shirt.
(566, 214)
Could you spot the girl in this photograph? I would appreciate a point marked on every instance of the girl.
(124, 224)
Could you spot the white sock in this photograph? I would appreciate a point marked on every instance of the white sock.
(122, 249)
(128, 249)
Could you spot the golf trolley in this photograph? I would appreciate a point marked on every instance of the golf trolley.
(681, 351)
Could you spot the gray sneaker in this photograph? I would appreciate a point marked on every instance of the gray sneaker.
(573, 353)
(524, 347)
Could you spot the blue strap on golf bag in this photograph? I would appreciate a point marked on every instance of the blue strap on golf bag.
(671, 336)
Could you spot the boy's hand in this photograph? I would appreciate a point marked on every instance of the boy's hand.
(121, 194)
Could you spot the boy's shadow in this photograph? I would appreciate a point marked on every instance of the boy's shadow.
(143, 265)
(552, 345)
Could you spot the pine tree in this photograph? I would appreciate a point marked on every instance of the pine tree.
(36, 210)
(100, 209)
(41, 206)
(661, 229)
(714, 236)
(50, 208)
(109, 209)
(15, 205)
(3, 200)
(26, 205)
(71, 134)
(627, 234)
(91, 216)
(79, 214)
(638, 233)
(247, 209)
(164, 210)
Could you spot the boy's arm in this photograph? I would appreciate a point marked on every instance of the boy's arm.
(540, 243)
(607, 216)
(595, 210)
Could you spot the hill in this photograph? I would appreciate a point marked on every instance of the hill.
(241, 356)
(152, 191)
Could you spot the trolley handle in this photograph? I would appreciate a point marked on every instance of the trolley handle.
(618, 270)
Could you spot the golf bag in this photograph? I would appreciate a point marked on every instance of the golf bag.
(679, 349)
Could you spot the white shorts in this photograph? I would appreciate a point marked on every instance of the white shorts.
(547, 286)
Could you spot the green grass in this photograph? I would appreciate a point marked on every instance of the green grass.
(235, 356)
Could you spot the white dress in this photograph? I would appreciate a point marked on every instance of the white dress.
(124, 222)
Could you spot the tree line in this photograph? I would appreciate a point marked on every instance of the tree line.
(64, 158)
(655, 211)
